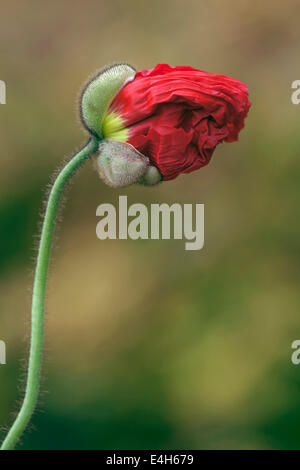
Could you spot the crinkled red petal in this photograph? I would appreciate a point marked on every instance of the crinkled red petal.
(177, 115)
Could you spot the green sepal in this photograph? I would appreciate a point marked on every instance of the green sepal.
(100, 92)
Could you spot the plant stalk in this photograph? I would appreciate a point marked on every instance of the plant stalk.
(38, 296)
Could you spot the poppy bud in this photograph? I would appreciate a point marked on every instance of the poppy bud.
(119, 164)
(151, 176)
(172, 117)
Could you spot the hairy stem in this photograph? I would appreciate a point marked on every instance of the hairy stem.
(38, 296)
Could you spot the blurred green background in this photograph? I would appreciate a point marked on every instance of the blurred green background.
(149, 345)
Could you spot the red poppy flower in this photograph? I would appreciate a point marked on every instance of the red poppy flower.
(176, 116)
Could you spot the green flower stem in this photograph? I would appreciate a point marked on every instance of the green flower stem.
(38, 297)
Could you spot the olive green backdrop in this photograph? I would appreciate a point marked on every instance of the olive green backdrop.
(149, 345)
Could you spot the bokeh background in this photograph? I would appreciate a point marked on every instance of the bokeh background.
(149, 346)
